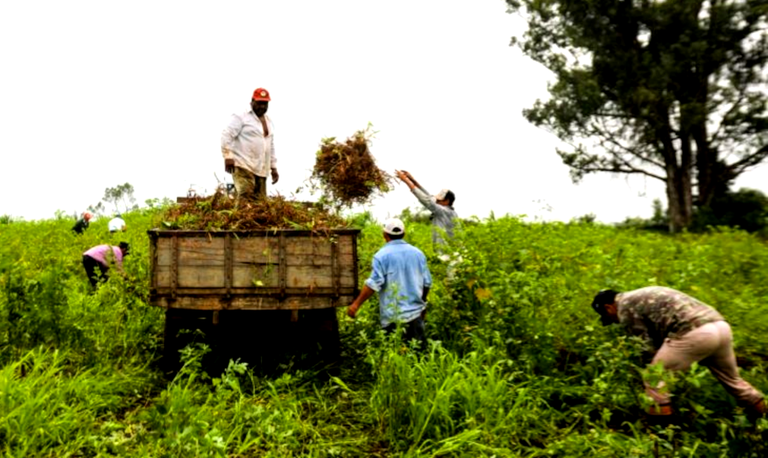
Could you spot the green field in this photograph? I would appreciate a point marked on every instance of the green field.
(518, 364)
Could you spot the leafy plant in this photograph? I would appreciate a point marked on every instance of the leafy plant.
(517, 363)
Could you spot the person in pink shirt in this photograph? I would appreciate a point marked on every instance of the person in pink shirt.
(100, 257)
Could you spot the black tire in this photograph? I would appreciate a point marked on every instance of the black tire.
(181, 328)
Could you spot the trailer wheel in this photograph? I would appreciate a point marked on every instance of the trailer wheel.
(325, 332)
(180, 327)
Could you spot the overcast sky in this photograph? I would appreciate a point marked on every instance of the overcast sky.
(95, 94)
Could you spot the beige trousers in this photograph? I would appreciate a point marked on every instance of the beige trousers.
(711, 345)
(249, 187)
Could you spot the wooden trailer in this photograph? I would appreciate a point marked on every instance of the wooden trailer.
(272, 288)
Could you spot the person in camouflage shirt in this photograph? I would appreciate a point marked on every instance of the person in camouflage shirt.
(680, 330)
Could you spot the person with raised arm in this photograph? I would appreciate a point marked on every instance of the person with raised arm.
(440, 207)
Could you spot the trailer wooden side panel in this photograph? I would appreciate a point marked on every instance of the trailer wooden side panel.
(259, 270)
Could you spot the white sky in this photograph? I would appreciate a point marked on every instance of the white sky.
(95, 94)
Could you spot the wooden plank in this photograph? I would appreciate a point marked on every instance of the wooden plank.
(325, 260)
(228, 263)
(254, 233)
(250, 276)
(255, 276)
(315, 276)
(244, 276)
(282, 273)
(202, 252)
(164, 249)
(347, 262)
(307, 260)
(262, 292)
(153, 263)
(346, 245)
(355, 266)
(162, 277)
(348, 279)
(253, 303)
(205, 251)
(308, 246)
(320, 248)
(174, 266)
(200, 277)
(257, 250)
(264, 267)
(336, 271)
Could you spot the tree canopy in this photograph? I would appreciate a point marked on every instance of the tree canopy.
(671, 90)
(121, 197)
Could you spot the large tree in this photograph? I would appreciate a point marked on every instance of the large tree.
(673, 90)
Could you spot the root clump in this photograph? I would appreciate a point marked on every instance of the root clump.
(221, 212)
(346, 172)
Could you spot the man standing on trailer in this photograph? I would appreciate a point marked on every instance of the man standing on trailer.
(247, 144)
(681, 330)
(401, 277)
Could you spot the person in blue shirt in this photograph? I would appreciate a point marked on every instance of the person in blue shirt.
(401, 278)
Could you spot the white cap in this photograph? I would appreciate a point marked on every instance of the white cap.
(441, 195)
(394, 226)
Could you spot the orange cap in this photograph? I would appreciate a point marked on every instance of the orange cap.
(261, 94)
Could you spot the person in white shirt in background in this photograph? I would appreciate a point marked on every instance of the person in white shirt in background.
(247, 144)
(116, 224)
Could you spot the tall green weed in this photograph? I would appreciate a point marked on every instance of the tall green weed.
(517, 364)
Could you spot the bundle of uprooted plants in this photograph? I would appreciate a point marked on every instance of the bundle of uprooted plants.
(346, 173)
(221, 212)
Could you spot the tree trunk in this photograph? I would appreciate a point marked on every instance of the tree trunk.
(705, 171)
(679, 192)
(680, 198)
(676, 219)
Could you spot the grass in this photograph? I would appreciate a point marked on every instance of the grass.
(517, 363)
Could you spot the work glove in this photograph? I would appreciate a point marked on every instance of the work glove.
(275, 176)
(760, 407)
(664, 410)
(229, 165)
(757, 410)
(661, 415)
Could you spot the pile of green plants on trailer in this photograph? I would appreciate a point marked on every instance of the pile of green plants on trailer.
(517, 365)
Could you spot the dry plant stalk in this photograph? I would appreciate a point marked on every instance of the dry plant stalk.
(347, 173)
(220, 212)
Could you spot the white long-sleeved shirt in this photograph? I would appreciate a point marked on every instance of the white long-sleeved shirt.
(243, 140)
(116, 224)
